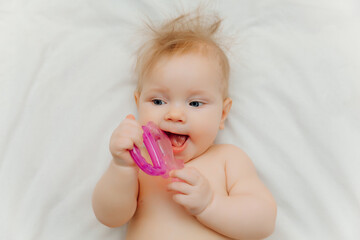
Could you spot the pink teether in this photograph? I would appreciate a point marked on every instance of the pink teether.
(159, 147)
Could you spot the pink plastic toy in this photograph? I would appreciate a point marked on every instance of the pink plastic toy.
(159, 147)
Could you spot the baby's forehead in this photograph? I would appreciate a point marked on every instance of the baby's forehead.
(202, 54)
(187, 65)
(188, 61)
(190, 73)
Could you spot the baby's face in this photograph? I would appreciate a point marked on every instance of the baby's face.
(183, 96)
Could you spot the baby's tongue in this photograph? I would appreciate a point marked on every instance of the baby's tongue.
(177, 140)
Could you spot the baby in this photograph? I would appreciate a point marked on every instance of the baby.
(182, 88)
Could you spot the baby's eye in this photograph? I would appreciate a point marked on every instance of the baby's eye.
(158, 101)
(195, 104)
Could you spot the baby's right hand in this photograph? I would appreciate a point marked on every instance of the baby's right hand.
(128, 133)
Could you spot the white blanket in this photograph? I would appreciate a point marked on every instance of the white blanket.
(66, 82)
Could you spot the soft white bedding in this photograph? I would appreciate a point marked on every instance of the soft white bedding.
(66, 82)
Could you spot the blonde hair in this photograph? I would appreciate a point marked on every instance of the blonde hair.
(191, 32)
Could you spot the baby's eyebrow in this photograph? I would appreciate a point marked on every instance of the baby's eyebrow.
(201, 92)
(198, 91)
(155, 91)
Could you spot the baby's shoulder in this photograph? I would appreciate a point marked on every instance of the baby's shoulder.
(215, 156)
(229, 162)
(229, 151)
(235, 159)
(228, 155)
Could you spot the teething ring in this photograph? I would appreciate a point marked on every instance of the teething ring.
(159, 147)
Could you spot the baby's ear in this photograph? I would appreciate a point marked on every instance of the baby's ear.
(137, 97)
(226, 109)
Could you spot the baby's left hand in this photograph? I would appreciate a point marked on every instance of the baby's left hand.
(193, 191)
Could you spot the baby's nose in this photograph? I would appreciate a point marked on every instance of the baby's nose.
(175, 114)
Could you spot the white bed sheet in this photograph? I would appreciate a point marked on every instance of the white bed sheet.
(66, 83)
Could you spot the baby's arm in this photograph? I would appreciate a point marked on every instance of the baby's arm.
(248, 211)
(115, 195)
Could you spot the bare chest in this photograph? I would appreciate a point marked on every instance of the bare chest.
(158, 216)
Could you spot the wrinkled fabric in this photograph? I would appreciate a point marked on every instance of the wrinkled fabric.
(66, 82)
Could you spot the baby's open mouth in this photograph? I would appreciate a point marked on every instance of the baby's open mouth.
(177, 140)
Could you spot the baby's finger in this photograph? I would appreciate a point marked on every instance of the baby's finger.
(130, 116)
(137, 138)
(134, 132)
(187, 174)
(124, 160)
(181, 199)
(180, 187)
(121, 144)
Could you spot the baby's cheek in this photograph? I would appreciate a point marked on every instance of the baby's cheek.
(208, 129)
(204, 137)
(146, 114)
